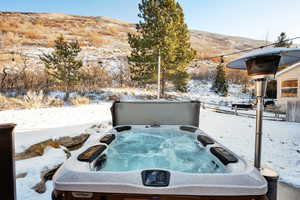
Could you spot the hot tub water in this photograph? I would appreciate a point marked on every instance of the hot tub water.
(154, 148)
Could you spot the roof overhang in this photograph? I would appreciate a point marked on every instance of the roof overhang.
(294, 66)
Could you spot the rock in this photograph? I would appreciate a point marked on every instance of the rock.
(21, 175)
(298, 151)
(36, 149)
(45, 176)
(73, 143)
(40, 187)
(48, 174)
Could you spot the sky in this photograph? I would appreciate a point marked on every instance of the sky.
(258, 19)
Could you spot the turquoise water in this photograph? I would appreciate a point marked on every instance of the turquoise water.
(158, 148)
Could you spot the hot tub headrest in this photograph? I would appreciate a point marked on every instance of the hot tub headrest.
(91, 153)
(155, 112)
(107, 139)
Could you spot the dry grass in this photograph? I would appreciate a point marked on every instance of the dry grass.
(3, 102)
(93, 78)
(41, 29)
(32, 100)
(79, 100)
(110, 31)
(95, 39)
(3, 99)
(7, 103)
(53, 102)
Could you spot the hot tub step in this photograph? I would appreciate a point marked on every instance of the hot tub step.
(223, 155)
(107, 139)
(91, 153)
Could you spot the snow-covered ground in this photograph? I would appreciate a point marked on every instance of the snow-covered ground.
(201, 90)
(37, 125)
(280, 150)
(281, 141)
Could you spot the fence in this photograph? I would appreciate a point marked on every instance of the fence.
(293, 111)
(250, 113)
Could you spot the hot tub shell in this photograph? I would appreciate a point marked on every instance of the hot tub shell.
(76, 180)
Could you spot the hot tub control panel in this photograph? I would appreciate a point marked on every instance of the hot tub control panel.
(156, 178)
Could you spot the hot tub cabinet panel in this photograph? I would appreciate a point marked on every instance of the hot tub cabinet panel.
(76, 180)
(116, 196)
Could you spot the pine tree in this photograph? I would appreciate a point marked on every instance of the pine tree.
(220, 84)
(62, 65)
(271, 90)
(161, 31)
(282, 41)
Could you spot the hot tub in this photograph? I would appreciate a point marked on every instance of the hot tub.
(152, 161)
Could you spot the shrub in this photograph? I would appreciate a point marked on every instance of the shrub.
(6, 103)
(79, 100)
(30, 100)
(3, 102)
(53, 102)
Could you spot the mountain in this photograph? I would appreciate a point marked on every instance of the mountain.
(103, 40)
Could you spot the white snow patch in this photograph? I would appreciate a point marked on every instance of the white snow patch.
(281, 140)
(33, 167)
(37, 125)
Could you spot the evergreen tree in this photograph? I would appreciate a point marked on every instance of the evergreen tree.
(271, 90)
(281, 41)
(161, 31)
(62, 65)
(220, 84)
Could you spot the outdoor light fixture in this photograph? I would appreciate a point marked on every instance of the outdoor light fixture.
(262, 65)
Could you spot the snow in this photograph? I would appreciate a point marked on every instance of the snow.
(33, 167)
(37, 125)
(201, 90)
(36, 119)
(281, 140)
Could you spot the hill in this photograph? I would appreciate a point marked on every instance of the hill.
(25, 32)
(25, 36)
